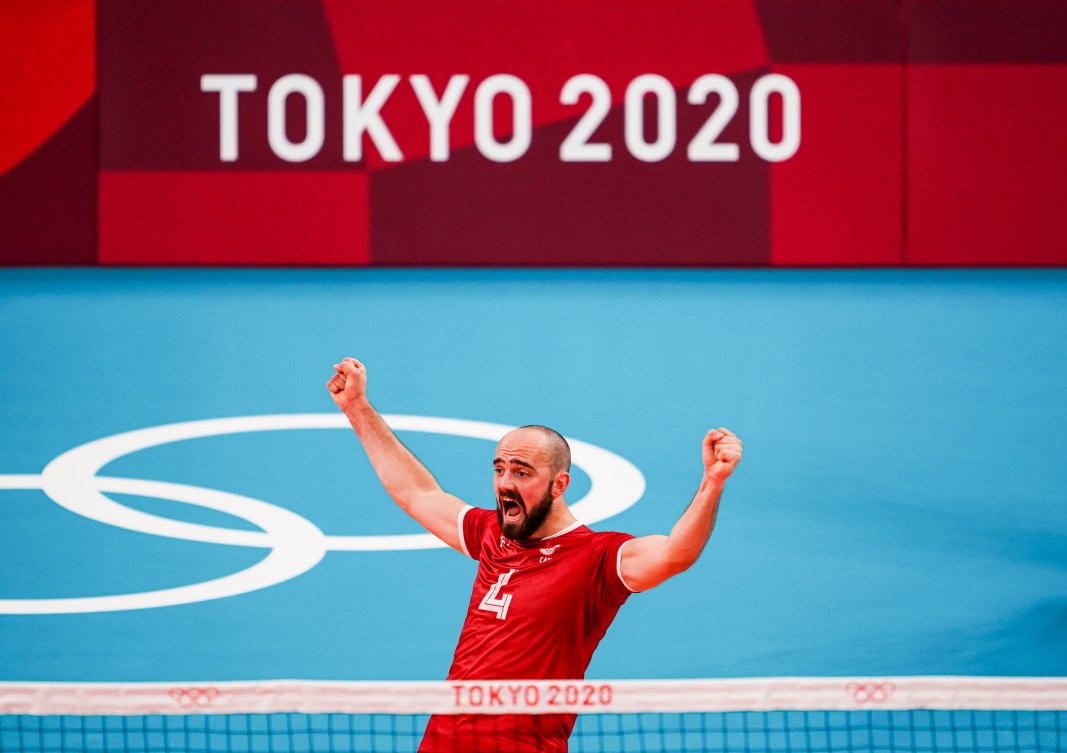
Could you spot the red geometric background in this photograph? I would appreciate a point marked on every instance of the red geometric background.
(931, 134)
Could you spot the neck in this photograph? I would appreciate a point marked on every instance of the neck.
(557, 520)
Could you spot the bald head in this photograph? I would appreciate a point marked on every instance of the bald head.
(551, 442)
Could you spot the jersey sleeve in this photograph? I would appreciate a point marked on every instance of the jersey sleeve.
(612, 590)
(473, 522)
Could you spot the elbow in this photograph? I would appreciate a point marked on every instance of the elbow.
(675, 564)
(406, 491)
(678, 559)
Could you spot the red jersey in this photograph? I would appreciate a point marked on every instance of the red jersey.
(537, 611)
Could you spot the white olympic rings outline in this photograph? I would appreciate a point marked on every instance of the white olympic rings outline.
(295, 543)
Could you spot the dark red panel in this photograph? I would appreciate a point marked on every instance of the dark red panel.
(832, 31)
(152, 55)
(48, 200)
(249, 218)
(987, 31)
(540, 211)
(839, 201)
(986, 165)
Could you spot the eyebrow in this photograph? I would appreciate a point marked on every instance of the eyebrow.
(515, 462)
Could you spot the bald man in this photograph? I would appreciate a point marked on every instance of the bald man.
(547, 587)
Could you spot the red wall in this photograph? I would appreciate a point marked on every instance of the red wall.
(929, 134)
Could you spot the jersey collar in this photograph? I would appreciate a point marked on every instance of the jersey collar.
(568, 529)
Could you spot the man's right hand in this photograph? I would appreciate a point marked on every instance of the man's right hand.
(405, 479)
(349, 384)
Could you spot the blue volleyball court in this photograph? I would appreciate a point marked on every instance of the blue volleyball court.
(900, 509)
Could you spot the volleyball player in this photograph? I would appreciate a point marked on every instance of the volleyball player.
(547, 587)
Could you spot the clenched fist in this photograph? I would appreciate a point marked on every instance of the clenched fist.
(349, 384)
(721, 453)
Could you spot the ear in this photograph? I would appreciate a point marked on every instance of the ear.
(560, 483)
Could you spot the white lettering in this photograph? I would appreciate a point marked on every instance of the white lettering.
(439, 112)
(521, 117)
(703, 147)
(666, 129)
(228, 86)
(493, 601)
(309, 89)
(365, 117)
(759, 104)
(576, 147)
(649, 113)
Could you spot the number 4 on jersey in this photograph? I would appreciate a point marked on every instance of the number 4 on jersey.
(494, 601)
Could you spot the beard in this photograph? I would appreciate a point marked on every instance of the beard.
(532, 517)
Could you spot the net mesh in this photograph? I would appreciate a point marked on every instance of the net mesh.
(915, 731)
(296, 720)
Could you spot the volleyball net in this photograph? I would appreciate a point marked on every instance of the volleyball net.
(762, 715)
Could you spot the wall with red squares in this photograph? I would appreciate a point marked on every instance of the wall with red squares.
(479, 132)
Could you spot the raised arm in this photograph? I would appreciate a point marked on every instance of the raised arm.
(648, 561)
(406, 479)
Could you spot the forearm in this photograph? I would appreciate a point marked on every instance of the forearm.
(406, 480)
(400, 472)
(648, 561)
(693, 529)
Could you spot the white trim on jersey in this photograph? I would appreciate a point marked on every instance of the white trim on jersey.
(459, 525)
(618, 567)
(568, 529)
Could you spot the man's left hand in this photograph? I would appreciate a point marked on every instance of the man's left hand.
(721, 453)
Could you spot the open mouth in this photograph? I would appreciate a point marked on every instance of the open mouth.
(512, 510)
